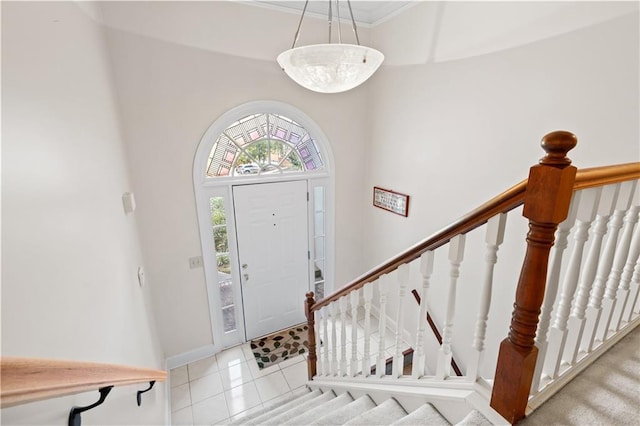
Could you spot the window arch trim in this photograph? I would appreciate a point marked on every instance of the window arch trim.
(247, 112)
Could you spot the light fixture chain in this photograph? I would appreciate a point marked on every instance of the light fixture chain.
(353, 22)
(339, 23)
(330, 20)
(295, 38)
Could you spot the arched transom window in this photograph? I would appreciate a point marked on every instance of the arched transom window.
(263, 144)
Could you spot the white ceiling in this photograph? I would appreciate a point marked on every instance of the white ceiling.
(364, 11)
(419, 33)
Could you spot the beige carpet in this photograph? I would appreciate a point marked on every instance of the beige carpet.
(606, 393)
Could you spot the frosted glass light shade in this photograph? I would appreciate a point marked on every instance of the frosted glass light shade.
(330, 68)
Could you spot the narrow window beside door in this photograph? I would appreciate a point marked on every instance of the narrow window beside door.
(319, 242)
(225, 283)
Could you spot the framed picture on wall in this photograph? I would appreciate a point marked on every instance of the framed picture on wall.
(392, 201)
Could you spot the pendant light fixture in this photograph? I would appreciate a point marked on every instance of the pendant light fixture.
(330, 67)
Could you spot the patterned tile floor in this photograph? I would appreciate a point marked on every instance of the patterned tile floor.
(229, 385)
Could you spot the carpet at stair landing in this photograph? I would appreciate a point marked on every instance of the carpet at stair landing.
(280, 346)
(607, 393)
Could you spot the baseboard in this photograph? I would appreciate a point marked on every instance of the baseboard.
(167, 395)
(191, 356)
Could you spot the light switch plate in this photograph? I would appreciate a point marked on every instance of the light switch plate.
(195, 262)
(128, 202)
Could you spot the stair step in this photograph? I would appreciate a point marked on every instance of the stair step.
(382, 415)
(294, 395)
(317, 412)
(346, 413)
(474, 418)
(300, 409)
(426, 415)
(306, 407)
(262, 417)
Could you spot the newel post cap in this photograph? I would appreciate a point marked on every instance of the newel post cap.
(557, 144)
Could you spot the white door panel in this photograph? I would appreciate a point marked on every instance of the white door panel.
(272, 236)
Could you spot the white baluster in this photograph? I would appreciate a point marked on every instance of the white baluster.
(403, 282)
(419, 357)
(627, 273)
(326, 367)
(344, 304)
(634, 291)
(354, 300)
(383, 289)
(367, 292)
(334, 345)
(318, 337)
(319, 348)
(587, 208)
(493, 238)
(578, 308)
(552, 287)
(619, 260)
(594, 309)
(456, 254)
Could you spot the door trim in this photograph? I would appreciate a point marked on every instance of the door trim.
(204, 188)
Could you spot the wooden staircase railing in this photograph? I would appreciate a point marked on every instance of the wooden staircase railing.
(557, 200)
(546, 196)
(26, 380)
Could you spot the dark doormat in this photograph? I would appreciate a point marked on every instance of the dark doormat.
(280, 346)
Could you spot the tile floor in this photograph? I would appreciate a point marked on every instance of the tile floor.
(229, 385)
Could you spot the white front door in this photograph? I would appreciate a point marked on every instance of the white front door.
(273, 253)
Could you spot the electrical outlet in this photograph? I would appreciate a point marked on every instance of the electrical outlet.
(195, 262)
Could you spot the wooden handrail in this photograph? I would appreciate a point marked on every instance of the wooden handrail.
(607, 175)
(508, 200)
(27, 380)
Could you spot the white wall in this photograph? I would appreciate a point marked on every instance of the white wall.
(170, 92)
(453, 134)
(443, 109)
(70, 254)
(415, 123)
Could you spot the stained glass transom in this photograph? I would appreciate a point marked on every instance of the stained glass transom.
(261, 144)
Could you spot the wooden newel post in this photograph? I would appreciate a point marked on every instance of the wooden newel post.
(312, 359)
(546, 204)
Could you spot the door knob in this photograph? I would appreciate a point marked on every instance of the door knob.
(246, 277)
(244, 266)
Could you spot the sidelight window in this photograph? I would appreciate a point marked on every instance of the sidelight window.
(225, 282)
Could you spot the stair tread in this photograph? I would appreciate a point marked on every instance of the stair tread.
(300, 409)
(384, 414)
(346, 413)
(314, 413)
(425, 415)
(474, 418)
(256, 420)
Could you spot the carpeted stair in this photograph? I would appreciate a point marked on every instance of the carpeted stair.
(327, 408)
(605, 394)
